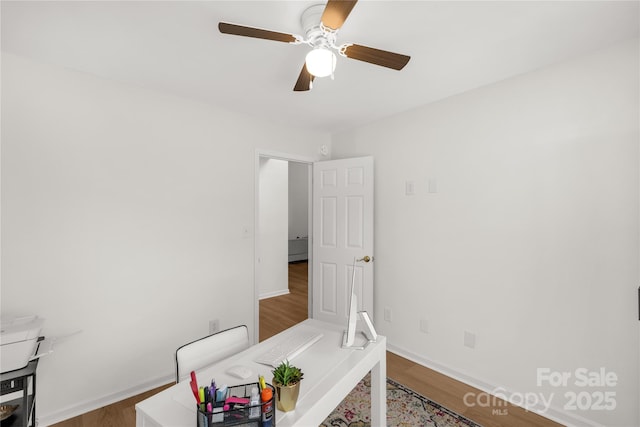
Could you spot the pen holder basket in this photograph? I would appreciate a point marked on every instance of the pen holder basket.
(233, 414)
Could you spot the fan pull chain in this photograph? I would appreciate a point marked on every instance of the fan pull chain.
(333, 65)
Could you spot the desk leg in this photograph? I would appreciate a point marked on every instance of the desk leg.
(379, 393)
(143, 420)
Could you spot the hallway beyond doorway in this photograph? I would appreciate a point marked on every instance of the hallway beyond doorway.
(282, 312)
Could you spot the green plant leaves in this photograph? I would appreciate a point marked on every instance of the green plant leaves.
(287, 374)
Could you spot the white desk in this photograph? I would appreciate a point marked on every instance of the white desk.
(330, 373)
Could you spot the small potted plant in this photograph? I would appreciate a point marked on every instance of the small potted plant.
(286, 381)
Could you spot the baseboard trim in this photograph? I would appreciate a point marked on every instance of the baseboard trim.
(274, 294)
(44, 420)
(555, 414)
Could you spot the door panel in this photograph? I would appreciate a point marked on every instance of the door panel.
(342, 232)
(355, 214)
(329, 289)
(328, 222)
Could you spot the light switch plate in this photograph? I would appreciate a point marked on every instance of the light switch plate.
(433, 185)
(410, 188)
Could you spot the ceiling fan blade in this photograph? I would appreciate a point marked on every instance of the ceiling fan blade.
(240, 30)
(336, 12)
(376, 56)
(304, 80)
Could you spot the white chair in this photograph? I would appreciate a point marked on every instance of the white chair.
(210, 349)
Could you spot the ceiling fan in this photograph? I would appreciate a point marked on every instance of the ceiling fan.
(321, 24)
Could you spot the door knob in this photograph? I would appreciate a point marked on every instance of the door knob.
(366, 258)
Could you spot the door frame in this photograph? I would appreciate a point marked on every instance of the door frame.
(260, 153)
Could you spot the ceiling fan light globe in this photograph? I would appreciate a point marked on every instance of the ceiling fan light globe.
(321, 62)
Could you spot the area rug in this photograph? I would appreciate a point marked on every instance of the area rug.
(405, 408)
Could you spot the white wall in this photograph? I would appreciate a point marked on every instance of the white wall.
(272, 269)
(123, 215)
(530, 236)
(298, 200)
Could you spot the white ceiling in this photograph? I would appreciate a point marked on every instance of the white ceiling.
(175, 47)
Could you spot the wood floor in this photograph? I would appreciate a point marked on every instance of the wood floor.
(279, 313)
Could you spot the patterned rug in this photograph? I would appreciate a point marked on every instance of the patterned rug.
(405, 408)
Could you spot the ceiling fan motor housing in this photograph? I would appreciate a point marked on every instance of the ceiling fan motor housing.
(316, 34)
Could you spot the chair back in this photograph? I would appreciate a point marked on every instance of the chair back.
(210, 349)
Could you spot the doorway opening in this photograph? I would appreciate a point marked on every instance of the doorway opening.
(282, 242)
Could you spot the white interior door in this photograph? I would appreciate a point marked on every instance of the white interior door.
(342, 231)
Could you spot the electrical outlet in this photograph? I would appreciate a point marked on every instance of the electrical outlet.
(469, 339)
(424, 326)
(388, 314)
(214, 326)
